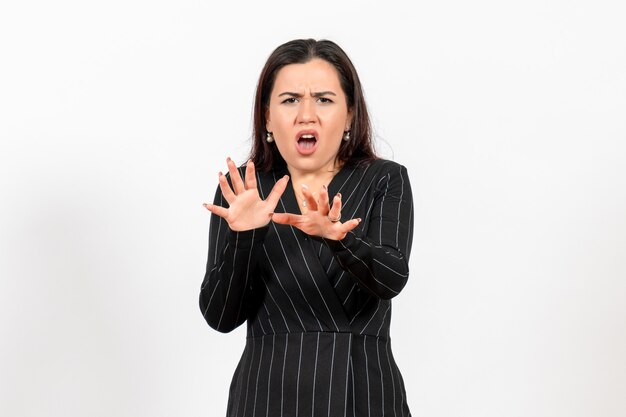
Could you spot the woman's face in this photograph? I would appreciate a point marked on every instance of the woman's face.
(308, 115)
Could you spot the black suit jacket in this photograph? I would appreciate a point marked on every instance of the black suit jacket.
(318, 311)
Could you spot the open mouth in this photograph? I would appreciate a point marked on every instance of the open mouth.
(306, 143)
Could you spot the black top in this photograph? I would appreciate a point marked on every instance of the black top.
(318, 310)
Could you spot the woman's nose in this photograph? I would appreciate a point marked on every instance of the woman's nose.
(306, 111)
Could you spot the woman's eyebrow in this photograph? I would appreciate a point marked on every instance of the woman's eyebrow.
(323, 93)
(298, 95)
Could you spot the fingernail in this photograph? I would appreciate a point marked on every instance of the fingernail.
(204, 204)
(339, 195)
(359, 220)
(324, 187)
(286, 177)
(228, 159)
(304, 186)
(219, 174)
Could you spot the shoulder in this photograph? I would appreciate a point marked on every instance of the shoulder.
(378, 175)
(382, 168)
(387, 164)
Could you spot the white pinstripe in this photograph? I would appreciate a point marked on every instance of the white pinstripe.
(216, 267)
(211, 298)
(298, 378)
(399, 206)
(391, 269)
(382, 384)
(359, 312)
(245, 406)
(408, 236)
(350, 293)
(380, 215)
(317, 349)
(269, 320)
(330, 264)
(219, 227)
(393, 382)
(332, 367)
(383, 248)
(340, 277)
(245, 285)
(258, 372)
(258, 320)
(230, 281)
(348, 368)
(282, 382)
(371, 318)
(347, 179)
(353, 384)
(382, 322)
(269, 374)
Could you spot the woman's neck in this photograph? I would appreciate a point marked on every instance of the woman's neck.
(313, 180)
(322, 176)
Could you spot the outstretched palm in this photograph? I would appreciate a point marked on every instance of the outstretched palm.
(246, 209)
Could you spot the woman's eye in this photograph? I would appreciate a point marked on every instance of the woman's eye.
(290, 100)
(325, 100)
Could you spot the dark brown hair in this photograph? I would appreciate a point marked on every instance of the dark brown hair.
(353, 152)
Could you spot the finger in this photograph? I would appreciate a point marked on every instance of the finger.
(228, 194)
(250, 176)
(311, 204)
(323, 205)
(217, 210)
(287, 218)
(349, 225)
(277, 191)
(235, 178)
(335, 210)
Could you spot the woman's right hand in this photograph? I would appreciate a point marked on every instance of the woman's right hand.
(246, 209)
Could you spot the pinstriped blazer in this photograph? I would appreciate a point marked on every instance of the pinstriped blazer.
(317, 311)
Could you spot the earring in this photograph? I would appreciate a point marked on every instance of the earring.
(346, 135)
(269, 138)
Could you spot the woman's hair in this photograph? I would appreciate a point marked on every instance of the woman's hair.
(352, 152)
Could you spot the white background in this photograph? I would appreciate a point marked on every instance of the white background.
(116, 116)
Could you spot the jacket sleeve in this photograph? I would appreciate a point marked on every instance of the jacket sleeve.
(227, 286)
(377, 255)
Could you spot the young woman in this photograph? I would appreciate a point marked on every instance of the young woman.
(309, 241)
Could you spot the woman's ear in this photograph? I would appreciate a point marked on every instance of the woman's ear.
(268, 127)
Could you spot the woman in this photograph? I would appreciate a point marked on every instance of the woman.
(312, 277)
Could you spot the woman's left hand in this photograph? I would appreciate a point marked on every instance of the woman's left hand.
(320, 219)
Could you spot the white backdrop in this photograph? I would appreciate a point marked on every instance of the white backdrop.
(115, 118)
